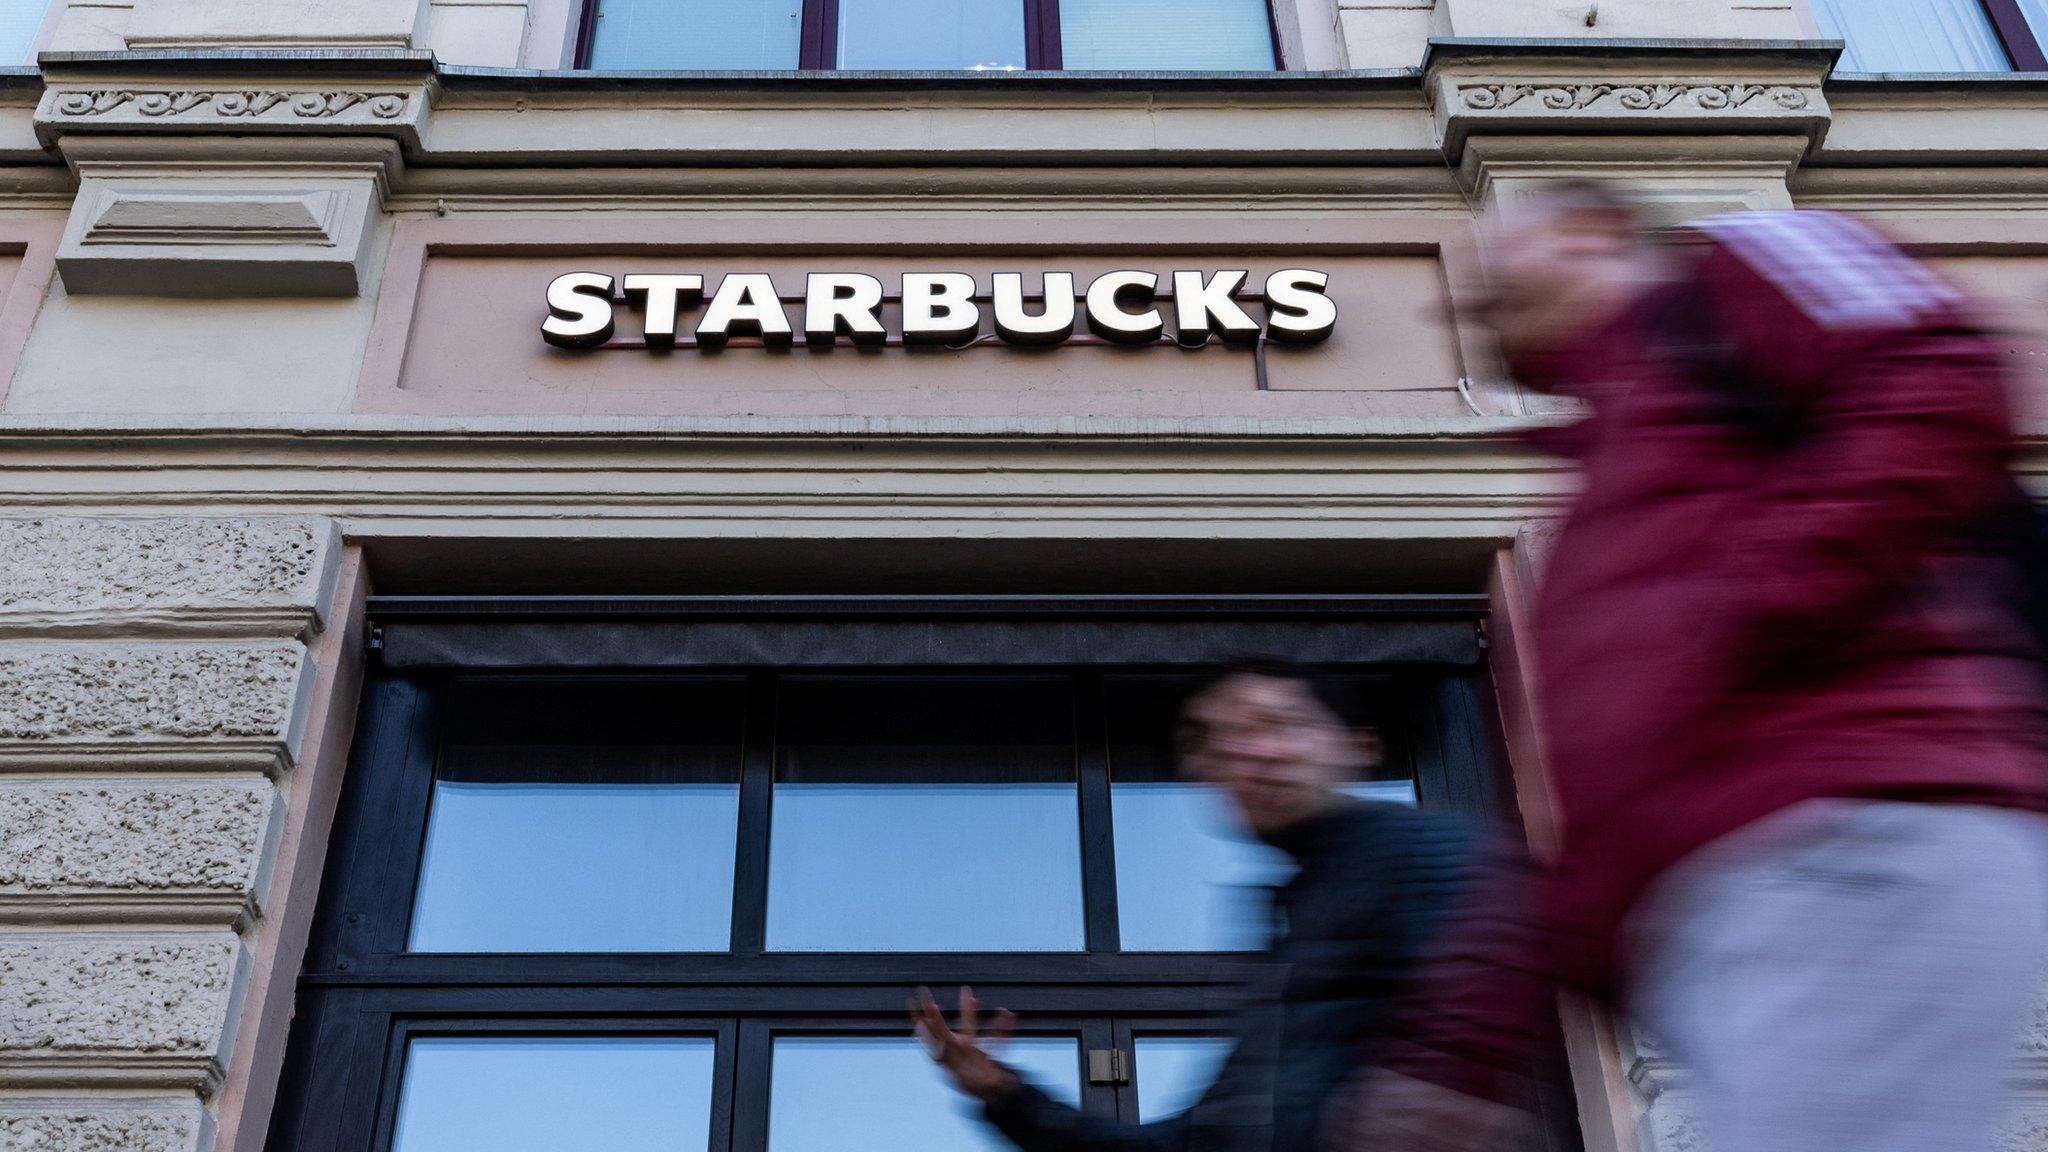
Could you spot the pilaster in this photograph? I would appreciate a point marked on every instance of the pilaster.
(1693, 126)
(153, 682)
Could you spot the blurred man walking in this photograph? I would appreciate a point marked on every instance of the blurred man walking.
(1374, 880)
(1795, 712)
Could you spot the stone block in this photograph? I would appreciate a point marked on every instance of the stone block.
(151, 1124)
(1385, 35)
(184, 851)
(150, 704)
(274, 24)
(108, 1010)
(285, 236)
(477, 32)
(129, 576)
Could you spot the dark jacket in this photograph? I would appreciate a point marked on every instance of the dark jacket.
(1736, 622)
(1373, 881)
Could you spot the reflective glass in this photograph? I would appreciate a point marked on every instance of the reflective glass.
(711, 34)
(925, 816)
(1166, 35)
(583, 817)
(2036, 12)
(556, 1094)
(1174, 1071)
(982, 35)
(1912, 35)
(883, 1094)
(19, 22)
(1190, 877)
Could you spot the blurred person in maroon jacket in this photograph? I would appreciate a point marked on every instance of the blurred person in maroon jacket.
(1797, 724)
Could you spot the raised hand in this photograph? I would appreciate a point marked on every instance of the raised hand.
(968, 1052)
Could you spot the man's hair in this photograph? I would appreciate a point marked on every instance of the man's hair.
(1337, 693)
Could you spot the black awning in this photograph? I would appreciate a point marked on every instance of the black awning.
(813, 631)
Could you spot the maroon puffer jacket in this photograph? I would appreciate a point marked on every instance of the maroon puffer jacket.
(1728, 628)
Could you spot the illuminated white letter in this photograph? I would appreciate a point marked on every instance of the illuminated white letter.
(938, 308)
(660, 298)
(579, 310)
(1297, 312)
(745, 305)
(1200, 309)
(1107, 297)
(848, 302)
(1016, 326)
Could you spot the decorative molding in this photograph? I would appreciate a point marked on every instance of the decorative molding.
(1644, 97)
(186, 852)
(154, 103)
(1648, 96)
(164, 704)
(171, 1124)
(231, 103)
(141, 1010)
(269, 576)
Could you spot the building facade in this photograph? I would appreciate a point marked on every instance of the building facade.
(557, 557)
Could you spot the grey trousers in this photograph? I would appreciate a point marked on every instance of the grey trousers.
(1849, 976)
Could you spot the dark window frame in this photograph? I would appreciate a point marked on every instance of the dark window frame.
(818, 49)
(361, 996)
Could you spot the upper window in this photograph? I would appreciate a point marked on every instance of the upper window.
(1937, 35)
(19, 23)
(972, 35)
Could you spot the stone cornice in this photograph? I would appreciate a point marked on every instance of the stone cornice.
(1648, 89)
(34, 429)
(329, 93)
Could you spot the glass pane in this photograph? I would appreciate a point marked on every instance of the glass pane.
(1912, 35)
(984, 35)
(2036, 12)
(1189, 876)
(19, 22)
(1166, 35)
(556, 1094)
(925, 816)
(594, 816)
(1174, 1071)
(883, 1094)
(716, 34)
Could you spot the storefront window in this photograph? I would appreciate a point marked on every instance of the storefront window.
(541, 839)
(1172, 1071)
(886, 793)
(973, 35)
(675, 899)
(1936, 35)
(883, 1094)
(1190, 877)
(553, 1094)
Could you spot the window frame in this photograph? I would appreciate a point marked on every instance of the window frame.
(818, 45)
(361, 996)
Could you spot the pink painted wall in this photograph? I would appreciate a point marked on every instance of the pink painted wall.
(457, 323)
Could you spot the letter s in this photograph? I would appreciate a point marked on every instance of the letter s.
(579, 310)
(1297, 311)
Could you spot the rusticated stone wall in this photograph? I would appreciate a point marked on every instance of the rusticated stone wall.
(153, 673)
